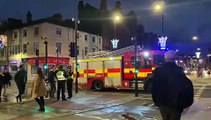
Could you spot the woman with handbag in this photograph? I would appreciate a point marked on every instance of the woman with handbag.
(39, 90)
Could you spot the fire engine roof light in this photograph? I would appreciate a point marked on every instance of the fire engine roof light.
(146, 54)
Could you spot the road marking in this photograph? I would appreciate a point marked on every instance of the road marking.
(199, 92)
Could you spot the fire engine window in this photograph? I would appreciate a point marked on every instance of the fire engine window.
(158, 59)
(138, 61)
(147, 62)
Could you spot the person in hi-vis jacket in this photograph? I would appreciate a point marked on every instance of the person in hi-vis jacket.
(61, 76)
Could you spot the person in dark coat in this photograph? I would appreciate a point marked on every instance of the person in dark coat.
(160, 87)
(7, 77)
(69, 82)
(21, 80)
(51, 80)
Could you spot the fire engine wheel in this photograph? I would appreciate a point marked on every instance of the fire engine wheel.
(98, 85)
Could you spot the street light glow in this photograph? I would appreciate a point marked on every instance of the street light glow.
(117, 18)
(158, 7)
(195, 38)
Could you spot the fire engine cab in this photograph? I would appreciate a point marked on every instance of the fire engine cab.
(117, 72)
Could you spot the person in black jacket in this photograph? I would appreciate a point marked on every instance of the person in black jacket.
(51, 80)
(21, 80)
(69, 82)
(161, 94)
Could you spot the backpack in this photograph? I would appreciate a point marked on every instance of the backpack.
(181, 91)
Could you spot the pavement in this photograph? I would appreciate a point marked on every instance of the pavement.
(85, 101)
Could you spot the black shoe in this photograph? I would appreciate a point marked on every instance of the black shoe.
(17, 99)
(42, 109)
(64, 99)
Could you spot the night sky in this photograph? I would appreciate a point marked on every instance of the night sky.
(183, 18)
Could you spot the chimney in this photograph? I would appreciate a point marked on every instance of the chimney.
(103, 5)
(29, 17)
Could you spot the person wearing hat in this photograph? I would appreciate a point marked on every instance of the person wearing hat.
(20, 80)
(69, 82)
(161, 88)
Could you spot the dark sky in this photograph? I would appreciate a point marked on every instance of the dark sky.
(183, 18)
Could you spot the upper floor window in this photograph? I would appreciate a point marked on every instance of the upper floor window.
(24, 33)
(24, 48)
(58, 31)
(93, 39)
(99, 40)
(86, 50)
(93, 49)
(36, 31)
(15, 34)
(58, 47)
(86, 37)
(36, 45)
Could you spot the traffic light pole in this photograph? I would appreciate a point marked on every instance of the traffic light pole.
(76, 55)
(136, 70)
(46, 55)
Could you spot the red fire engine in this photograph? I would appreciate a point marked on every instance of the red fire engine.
(117, 72)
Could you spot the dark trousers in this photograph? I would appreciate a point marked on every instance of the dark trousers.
(69, 87)
(40, 102)
(53, 89)
(61, 88)
(1, 86)
(21, 90)
(170, 114)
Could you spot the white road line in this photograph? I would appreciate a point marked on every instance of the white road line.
(199, 92)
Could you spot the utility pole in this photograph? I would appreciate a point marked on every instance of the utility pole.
(46, 56)
(76, 21)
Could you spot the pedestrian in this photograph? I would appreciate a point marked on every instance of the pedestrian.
(7, 79)
(1, 83)
(69, 82)
(38, 90)
(61, 78)
(167, 88)
(51, 80)
(21, 80)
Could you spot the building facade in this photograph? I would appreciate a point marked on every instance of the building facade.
(24, 42)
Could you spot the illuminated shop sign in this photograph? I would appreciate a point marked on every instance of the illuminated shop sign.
(162, 42)
(3, 41)
(114, 43)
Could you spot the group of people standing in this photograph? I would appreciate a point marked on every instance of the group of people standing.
(63, 78)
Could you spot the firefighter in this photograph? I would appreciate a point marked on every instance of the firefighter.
(69, 82)
(61, 76)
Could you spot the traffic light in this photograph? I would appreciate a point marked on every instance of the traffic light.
(78, 66)
(45, 66)
(136, 71)
(72, 49)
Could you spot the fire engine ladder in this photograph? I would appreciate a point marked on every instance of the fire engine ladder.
(114, 53)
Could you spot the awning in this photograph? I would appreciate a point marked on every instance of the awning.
(51, 60)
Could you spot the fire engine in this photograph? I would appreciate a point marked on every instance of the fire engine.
(117, 72)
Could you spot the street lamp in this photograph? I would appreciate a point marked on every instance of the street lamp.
(116, 19)
(195, 38)
(46, 55)
(158, 7)
(76, 21)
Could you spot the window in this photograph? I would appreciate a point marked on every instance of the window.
(158, 59)
(59, 47)
(58, 31)
(93, 39)
(139, 62)
(93, 49)
(86, 50)
(99, 40)
(24, 33)
(15, 34)
(36, 31)
(24, 48)
(36, 45)
(86, 37)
